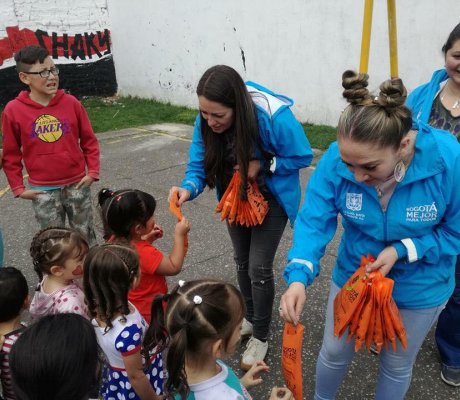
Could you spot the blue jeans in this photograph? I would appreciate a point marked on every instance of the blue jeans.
(448, 328)
(254, 251)
(395, 371)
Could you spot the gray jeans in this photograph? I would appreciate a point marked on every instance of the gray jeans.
(254, 251)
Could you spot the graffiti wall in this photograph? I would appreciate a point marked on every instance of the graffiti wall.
(76, 34)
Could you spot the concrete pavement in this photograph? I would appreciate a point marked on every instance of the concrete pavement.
(153, 158)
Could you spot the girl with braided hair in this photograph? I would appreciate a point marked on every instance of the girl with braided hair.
(203, 319)
(397, 192)
(110, 271)
(58, 255)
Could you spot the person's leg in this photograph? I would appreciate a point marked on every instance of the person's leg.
(265, 239)
(1, 249)
(395, 370)
(241, 240)
(447, 330)
(334, 357)
(49, 210)
(79, 210)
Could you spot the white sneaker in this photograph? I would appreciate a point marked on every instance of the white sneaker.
(256, 350)
(246, 329)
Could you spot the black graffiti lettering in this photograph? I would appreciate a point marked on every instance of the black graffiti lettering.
(104, 40)
(90, 46)
(77, 47)
(39, 34)
(56, 44)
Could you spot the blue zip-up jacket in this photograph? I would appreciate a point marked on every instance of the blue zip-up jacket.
(281, 134)
(421, 99)
(422, 222)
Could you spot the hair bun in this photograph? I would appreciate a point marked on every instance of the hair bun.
(355, 86)
(103, 195)
(392, 94)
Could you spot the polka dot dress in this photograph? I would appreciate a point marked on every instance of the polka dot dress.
(124, 339)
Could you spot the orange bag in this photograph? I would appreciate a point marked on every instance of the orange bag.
(177, 212)
(248, 212)
(291, 358)
(349, 298)
(366, 307)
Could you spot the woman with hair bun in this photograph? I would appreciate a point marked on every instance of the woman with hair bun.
(397, 192)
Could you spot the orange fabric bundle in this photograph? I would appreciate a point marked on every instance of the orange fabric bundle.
(366, 307)
(291, 358)
(248, 212)
(177, 212)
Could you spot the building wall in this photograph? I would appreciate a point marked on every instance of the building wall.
(296, 47)
(76, 34)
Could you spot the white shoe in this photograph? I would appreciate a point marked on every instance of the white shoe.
(246, 329)
(256, 350)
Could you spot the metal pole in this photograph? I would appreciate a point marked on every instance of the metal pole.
(366, 37)
(393, 39)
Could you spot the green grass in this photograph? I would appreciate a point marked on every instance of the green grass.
(320, 136)
(114, 113)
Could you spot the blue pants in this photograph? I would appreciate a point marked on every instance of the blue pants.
(254, 251)
(395, 370)
(448, 328)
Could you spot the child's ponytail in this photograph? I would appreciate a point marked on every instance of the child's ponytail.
(123, 209)
(156, 334)
(198, 313)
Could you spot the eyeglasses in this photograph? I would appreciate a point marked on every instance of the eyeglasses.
(46, 72)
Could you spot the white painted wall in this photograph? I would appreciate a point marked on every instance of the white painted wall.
(297, 47)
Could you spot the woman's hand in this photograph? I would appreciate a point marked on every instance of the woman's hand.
(184, 195)
(292, 302)
(384, 262)
(252, 377)
(253, 169)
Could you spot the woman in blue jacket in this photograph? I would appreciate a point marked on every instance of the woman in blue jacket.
(249, 128)
(438, 103)
(398, 194)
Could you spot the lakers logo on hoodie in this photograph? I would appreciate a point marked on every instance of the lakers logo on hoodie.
(48, 128)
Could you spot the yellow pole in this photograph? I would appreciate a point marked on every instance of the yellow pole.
(366, 37)
(393, 39)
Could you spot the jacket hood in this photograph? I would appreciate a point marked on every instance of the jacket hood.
(42, 303)
(24, 97)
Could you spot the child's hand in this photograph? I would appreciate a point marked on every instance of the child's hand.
(31, 194)
(252, 377)
(85, 181)
(154, 234)
(182, 227)
(281, 393)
